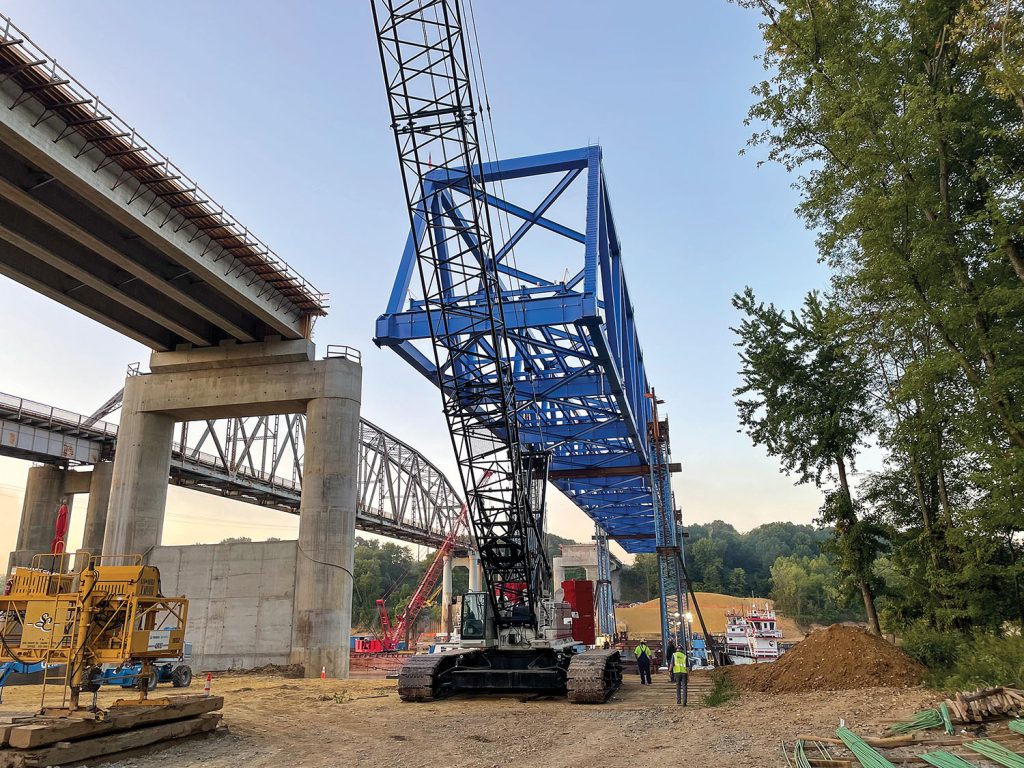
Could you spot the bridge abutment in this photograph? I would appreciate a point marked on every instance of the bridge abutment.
(260, 379)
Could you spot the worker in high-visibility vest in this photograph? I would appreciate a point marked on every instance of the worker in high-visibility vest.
(679, 672)
(643, 661)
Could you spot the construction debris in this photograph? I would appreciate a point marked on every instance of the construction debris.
(985, 703)
(837, 658)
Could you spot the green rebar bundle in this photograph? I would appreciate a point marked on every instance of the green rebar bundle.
(799, 756)
(866, 755)
(922, 721)
(940, 758)
(946, 721)
(996, 753)
(1017, 726)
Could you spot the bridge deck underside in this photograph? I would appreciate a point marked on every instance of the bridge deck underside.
(94, 218)
(577, 365)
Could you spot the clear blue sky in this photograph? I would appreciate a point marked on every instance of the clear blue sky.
(280, 114)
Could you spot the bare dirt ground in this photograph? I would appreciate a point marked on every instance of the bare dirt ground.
(293, 723)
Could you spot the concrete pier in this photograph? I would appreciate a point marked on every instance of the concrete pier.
(475, 572)
(138, 494)
(44, 491)
(258, 379)
(99, 502)
(446, 595)
(327, 530)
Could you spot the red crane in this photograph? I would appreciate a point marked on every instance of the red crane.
(389, 636)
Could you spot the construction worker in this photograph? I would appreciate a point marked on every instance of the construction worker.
(668, 655)
(643, 661)
(680, 675)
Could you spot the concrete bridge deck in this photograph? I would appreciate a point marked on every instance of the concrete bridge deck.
(94, 217)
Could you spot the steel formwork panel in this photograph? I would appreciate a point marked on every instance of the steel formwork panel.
(576, 361)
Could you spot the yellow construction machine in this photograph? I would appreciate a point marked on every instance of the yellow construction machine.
(72, 618)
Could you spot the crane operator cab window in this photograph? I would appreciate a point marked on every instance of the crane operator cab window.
(476, 616)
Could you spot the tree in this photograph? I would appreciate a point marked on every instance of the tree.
(737, 584)
(905, 124)
(805, 398)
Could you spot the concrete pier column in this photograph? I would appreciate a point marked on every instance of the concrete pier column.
(96, 513)
(327, 530)
(446, 596)
(557, 572)
(474, 571)
(615, 580)
(138, 492)
(44, 491)
(591, 574)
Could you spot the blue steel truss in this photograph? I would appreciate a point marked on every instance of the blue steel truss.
(577, 364)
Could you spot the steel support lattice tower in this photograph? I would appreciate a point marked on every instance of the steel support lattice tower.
(668, 539)
(604, 599)
(427, 73)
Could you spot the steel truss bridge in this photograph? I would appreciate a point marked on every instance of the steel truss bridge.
(256, 460)
(581, 388)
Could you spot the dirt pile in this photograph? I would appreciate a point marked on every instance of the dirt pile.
(834, 659)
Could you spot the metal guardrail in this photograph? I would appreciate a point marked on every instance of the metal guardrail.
(74, 95)
(20, 408)
(345, 351)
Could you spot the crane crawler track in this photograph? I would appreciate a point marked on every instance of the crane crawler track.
(594, 676)
(424, 677)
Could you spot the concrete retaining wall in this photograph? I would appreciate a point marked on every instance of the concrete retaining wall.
(241, 600)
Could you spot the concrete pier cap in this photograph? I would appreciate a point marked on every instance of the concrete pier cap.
(256, 379)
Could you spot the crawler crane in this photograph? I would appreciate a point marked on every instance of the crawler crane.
(514, 635)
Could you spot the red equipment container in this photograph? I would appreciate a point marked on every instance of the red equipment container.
(579, 593)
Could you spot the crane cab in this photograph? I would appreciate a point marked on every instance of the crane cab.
(477, 625)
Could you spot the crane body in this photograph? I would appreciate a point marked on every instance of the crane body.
(515, 636)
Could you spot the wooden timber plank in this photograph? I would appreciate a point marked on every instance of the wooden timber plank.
(67, 752)
(40, 734)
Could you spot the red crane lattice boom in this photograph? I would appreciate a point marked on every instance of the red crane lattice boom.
(389, 636)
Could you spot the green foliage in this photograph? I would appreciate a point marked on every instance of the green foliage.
(720, 559)
(808, 590)
(934, 648)
(987, 660)
(805, 397)
(722, 691)
(965, 662)
(903, 124)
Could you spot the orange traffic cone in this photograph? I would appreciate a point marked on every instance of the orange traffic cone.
(209, 684)
(323, 673)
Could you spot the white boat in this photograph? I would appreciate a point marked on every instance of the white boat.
(752, 635)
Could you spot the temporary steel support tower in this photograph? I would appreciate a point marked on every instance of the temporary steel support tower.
(603, 593)
(671, 580)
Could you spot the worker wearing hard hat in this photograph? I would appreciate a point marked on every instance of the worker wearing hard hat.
(679, 674)
(643, 661)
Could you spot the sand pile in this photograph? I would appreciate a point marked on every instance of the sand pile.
(645, 619)
(833, 659)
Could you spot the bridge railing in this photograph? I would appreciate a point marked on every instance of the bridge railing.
(19, 408)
